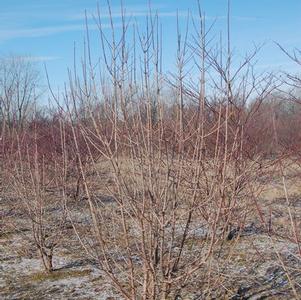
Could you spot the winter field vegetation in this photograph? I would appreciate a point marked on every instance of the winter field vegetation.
(141, 183)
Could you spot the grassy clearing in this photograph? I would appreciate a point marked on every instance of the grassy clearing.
(56, 275)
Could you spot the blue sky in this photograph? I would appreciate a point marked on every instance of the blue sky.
(46, 30)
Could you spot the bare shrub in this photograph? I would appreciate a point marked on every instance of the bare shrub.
(37, 179)
(180, 180)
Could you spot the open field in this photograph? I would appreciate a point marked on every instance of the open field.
(252, 263)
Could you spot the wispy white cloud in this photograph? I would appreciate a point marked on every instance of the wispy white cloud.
(6, 34)
(143, 11)
(130, 10)
(20, 23)
(40, 58)
(33, 32)
(236, 18)
(246, 18)
(37, 31)
(118, 15)
(279, 65)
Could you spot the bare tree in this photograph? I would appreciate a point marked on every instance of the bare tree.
(19, 81)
